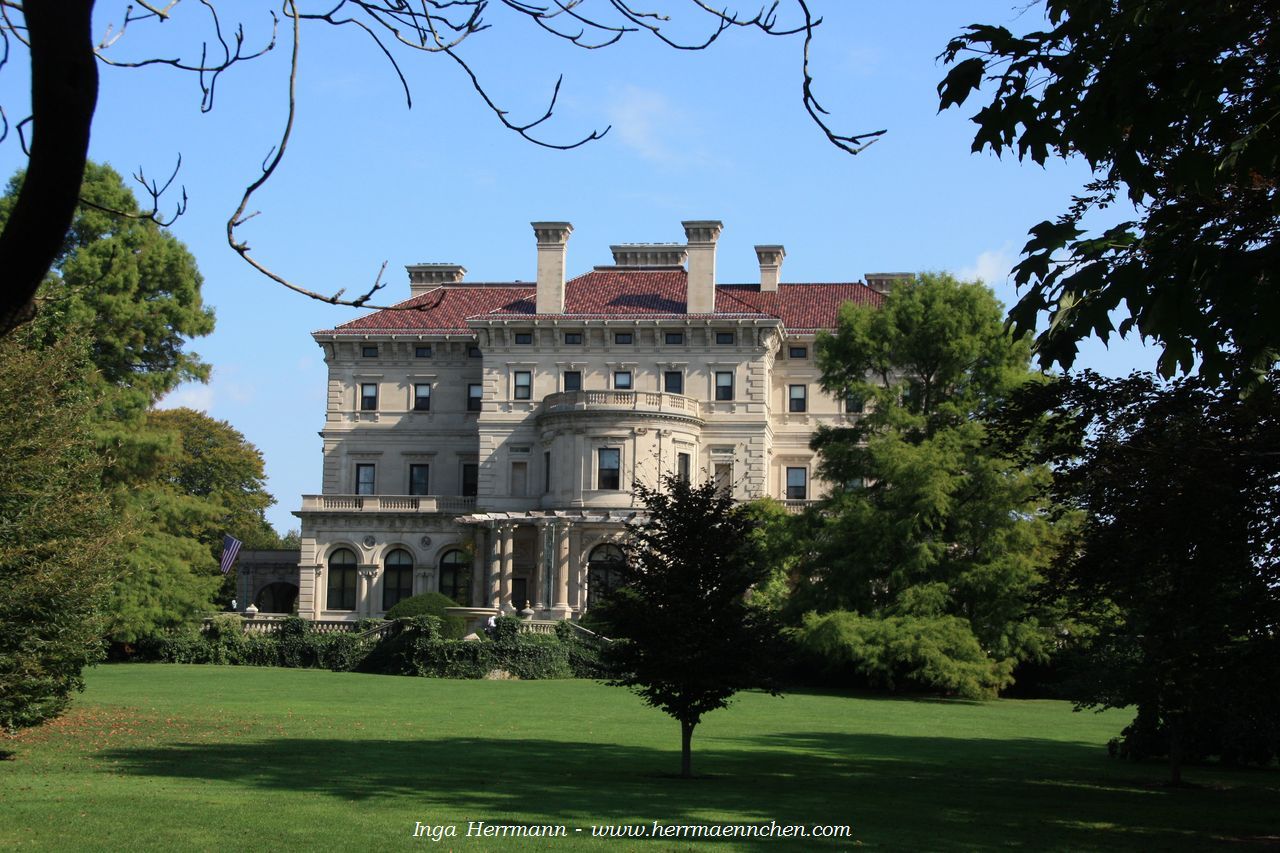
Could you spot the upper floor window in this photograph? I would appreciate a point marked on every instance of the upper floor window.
(797, 484)
(854, 404)
(364, 479)
(422, 397)
(369, 396)
(683, 464)
(397, 578)
(475, 397)
(470, 479)
(725, 338)
(623, 338)
(797, 398)
(342, 580)
(674, 337)
(673, 381)
(419, 479)
(794, 351)
(546, 471)
(524, 338)
(724, 385)
(473, 351)
(523, 385)
(622, 380)
(369, 351)
(573, 338)
(572, 380)
(422, 351)
(609, 471)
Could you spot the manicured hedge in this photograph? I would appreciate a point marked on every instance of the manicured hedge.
(432, 604)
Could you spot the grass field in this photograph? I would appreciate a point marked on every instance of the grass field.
(163, 757)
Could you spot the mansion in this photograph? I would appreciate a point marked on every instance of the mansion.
(481, 439)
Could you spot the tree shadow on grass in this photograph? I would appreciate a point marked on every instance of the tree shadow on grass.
(896, 792)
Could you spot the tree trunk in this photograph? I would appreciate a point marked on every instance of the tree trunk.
(1175, 749)
(64, 93)
(686, 749)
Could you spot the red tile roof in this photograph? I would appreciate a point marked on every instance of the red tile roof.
(613, 293)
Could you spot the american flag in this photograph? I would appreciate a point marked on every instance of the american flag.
(230, 548)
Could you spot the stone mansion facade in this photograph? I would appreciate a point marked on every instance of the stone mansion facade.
(480, 439)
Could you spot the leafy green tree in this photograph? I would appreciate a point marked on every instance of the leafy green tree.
(60, 539)
(1176, 570)
(686, 639)
(926, 553)
(1174, 107)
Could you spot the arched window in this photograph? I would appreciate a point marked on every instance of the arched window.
(604, 572)
(397, 578)
(342, 580)
(455, 577)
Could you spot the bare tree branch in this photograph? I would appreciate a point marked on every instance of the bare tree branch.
(854, 144)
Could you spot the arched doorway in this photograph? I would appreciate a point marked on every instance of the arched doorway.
(604, 572)
(278, 597)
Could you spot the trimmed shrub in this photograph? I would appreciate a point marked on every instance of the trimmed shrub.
(432, 604)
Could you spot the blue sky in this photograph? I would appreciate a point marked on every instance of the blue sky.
(718, 134)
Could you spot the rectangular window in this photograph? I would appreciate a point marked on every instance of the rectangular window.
(369, 351)
(546, 471)
(609, 473)
(342, 588)
(572, 380)
(519, 479)
(623, 338)
(682, 467)
(622, 380)
(573, 338)
(797, 398)
(797, 352)
(364, 479)
(523, 385)
(369, 397)
(854, 404)
(470, 479)
(724, 385)
(422, 351)
(397, 585)
(673, 338)
(419, 479)
(723, 338)
(724, 476)
(673, 381)
(475, 397)
(473, 351)
(422, 397)
(524, 338)
(797, 484)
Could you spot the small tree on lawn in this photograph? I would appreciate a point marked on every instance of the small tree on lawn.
(687, 638)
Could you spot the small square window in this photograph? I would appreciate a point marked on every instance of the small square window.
(797, 352)
(473, 351)
(622, 380)
(475, 397)
(364, 479)
(797, 484)
(609, 472)
(854, 404)
(572, 380)
(369, 351)
(623, 338)
(422, 397)
(725, 338)
(419, 479)
(523, 385)
(524, 338)
(724, 385)
(369, 397)
(798, 398)
(674, 338)
(573, 338)
(673, 381)
(422, 351)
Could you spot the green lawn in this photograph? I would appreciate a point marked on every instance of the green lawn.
(162, 757)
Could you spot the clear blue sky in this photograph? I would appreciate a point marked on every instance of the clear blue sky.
(719, 134)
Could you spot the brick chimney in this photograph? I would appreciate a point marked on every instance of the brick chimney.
(770, 258)
(423, 277)
(701, 235)
(553, 238)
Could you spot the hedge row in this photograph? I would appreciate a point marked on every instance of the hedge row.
(417, 647)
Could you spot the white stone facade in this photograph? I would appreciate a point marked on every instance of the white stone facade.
(481, 439)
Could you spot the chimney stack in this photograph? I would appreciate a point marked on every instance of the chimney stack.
(701, 235)
(423, 277)
(770, 258)
(552, 238)
(883, 282)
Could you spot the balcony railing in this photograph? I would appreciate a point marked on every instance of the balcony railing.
(622, 401)
(795, 507)
(388, 503)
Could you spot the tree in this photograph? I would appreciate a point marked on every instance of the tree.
(1173, 106)
(64, 81)
(687, 639)
(59, 537)
(926, 553)
(1176, 569)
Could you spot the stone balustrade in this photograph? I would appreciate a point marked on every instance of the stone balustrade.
(388, 503)
(622, 401)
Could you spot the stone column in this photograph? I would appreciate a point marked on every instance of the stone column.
(539, 577)
(508, 564)
(319, 589)
(562, 607)
(576, 598)
(478, 568)
(364, 591)
(493, 587)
